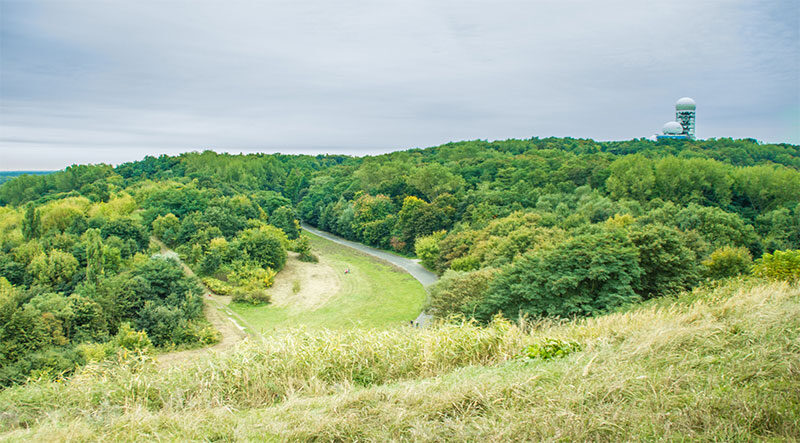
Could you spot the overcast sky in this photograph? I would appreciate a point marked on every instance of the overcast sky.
(113, 81)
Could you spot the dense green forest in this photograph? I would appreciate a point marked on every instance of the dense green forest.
(540, 227)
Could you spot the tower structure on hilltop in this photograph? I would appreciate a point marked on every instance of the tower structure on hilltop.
(683, 126)
(684, 114)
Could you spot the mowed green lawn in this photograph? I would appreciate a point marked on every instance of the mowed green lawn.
(373, 294)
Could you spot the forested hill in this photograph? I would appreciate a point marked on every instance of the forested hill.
(392, 200)
(10, 175)
(572, 161)
(541, 227)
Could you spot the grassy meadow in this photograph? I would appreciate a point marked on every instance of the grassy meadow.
(720, 363)
(372, 295)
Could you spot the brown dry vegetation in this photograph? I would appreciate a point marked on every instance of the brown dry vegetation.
(319, 283)
(717, 364)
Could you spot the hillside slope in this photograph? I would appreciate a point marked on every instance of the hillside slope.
(718, 363)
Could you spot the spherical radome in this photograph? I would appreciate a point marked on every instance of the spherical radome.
(672, 128)
(685, 104)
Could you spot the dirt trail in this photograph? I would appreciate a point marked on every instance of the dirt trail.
(221, 318)
(305, 286)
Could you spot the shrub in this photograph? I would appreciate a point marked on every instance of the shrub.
(207, 335)
(302, 245)
(200, 332)
(586, 275)
(250, 277)
(468, 263)
(163, 324)
(217, 286)
(727, 262)
(130, 339)
(668, 264)
(54, 268)
(308, 258)
(427, 248)
(459, 293)
(284, 218)
(263, 246)
(250, 296)
(166, 227)
(95, 352)
(781, 265)
(550, 348)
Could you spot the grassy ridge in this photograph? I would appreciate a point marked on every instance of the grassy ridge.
(372, 295)
(719, 363)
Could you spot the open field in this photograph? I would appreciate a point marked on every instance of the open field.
(718, 364)
(372, 295)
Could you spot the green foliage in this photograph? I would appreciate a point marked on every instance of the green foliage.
(95, 352)
(727, 262)
(459, 292)
(94, 255)
(302, 245)
(465, 264)
(500, 242)
(54, 269)
(284, 218)
(586, 275)
(252, 277)
(631, 177)
(550, 348)
(167, 227)
(132, 340)
(768, 187)
(75, 257)
(418, 218)
(263, 247)
(668, 264)
(163, 324)
(132, 235)
(427, 248)
(31, 225)
(780, 265)
(218, 253)
(217, 286)
(251, 296)
(717, 227)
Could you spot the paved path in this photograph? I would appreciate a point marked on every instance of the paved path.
(413, 267)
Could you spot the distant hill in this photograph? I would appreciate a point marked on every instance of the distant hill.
(8, 175)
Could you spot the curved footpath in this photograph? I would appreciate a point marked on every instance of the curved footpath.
(413, 267)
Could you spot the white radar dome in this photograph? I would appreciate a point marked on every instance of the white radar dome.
(685, 104)
(672, 128)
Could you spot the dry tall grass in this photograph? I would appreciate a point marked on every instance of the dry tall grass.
(720, 363)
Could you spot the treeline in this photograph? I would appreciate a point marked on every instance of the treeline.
(10, 175)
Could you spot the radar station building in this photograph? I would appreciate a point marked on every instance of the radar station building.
(683, 126)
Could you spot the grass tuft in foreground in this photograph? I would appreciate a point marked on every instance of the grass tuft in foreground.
(720, 363)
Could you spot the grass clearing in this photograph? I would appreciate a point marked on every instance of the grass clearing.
(719, 364)
(372, 294)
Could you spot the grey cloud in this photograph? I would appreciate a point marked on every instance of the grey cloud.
(91, 81)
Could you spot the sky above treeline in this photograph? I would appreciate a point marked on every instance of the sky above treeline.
(112, 81)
